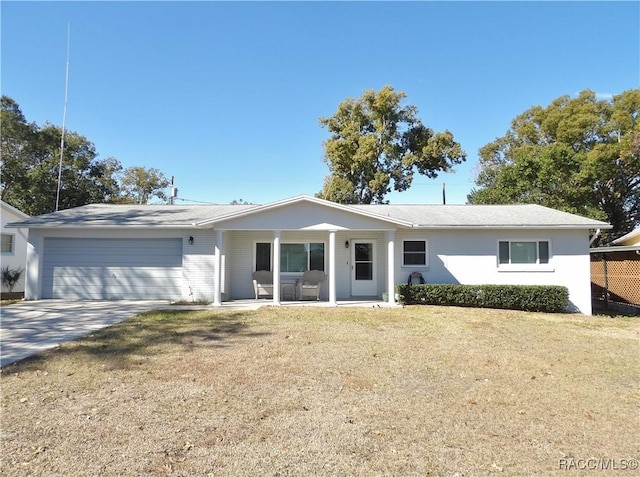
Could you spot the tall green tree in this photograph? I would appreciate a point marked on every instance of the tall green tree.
(378, 145)
(31, 159)
(16, 152)
(139, 184)
(85, 179)
(579, 154)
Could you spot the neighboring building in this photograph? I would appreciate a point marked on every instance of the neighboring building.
(210, 252)
(615, 273)
(632, 239)
(13, 252)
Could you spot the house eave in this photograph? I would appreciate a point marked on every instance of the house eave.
(620, 248)
(511, 227)
(100, 226)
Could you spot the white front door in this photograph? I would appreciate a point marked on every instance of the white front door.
(363, 268)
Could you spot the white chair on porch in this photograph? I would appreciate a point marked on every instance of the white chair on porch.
(263, 283)
(311, 283)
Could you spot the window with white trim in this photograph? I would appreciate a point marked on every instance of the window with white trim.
(294, 257)
(300, 257)
(7, 243)
(414, 253)
(263, 256)
(523, 252)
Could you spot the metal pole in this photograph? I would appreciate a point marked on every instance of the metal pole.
(606, 281)
(64, 120)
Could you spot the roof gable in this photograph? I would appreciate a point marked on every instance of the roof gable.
(304, 213)
(7, 208)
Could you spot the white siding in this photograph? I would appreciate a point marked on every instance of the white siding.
(18, 258)
(239, 253)
(198, 265)
(343, 266)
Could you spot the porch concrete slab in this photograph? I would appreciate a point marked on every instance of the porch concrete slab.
(30, 327)
(253, 304)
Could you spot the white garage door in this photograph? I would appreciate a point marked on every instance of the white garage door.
(112, 269)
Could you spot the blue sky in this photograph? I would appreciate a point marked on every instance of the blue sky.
(226, 96)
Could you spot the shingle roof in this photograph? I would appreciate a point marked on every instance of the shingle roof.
(421, 216)
(528, 215)
(117, 215)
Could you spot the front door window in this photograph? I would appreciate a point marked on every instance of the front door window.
(363, 261)
(363, 277)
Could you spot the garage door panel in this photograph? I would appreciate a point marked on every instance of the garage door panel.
(87, 276)
(106, 293)
(82, 272)
(126, 260)
(112, 268)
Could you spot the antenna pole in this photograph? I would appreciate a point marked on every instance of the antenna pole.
(444, 194)
(64, 120)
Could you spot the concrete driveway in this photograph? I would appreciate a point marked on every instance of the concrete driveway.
(29, 327)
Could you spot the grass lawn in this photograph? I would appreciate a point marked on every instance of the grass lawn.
(329, 392)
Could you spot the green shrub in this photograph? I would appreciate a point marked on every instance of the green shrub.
(545, 298)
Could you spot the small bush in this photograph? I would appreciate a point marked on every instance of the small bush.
(10, 277)
(544, 298)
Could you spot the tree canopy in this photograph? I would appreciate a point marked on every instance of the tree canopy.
(30, 158)
(140, 184)
(377, 144)
(579, 154)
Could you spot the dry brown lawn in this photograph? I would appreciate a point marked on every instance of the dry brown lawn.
(425, 391)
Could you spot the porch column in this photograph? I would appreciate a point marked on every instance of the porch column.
(276, 267)
(332, 268)
(391, 266)
(217, 269)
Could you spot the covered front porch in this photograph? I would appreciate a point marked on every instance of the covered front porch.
(357, 266)
(356, 249)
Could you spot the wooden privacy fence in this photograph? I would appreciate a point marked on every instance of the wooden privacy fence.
(615, 276)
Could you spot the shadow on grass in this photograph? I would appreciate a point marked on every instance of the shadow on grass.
(150, 334)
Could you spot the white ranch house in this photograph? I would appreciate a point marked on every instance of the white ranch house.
(209, 252)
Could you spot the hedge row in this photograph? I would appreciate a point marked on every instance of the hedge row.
(545, 298)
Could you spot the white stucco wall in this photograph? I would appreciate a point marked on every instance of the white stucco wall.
(17, 259)
(470, 257)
